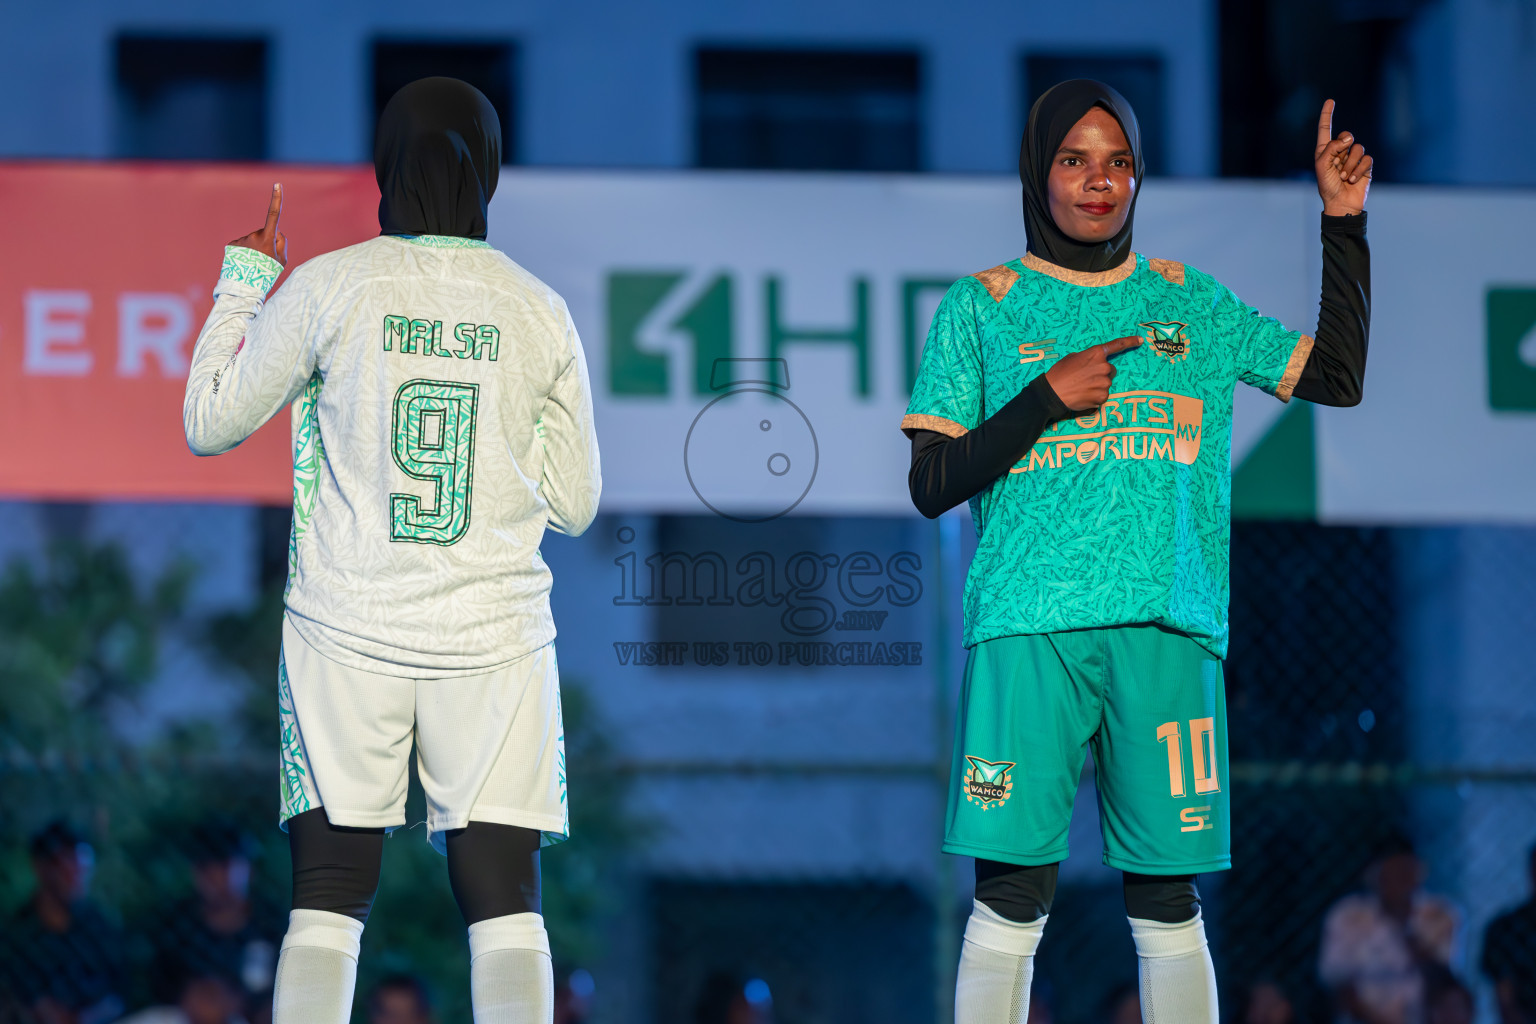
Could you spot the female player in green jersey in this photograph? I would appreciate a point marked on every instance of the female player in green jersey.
(1080, 399)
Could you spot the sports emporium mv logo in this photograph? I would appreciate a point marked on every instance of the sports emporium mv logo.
(988, 783)
(1171, 340)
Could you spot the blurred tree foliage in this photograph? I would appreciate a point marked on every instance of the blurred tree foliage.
(80, 639)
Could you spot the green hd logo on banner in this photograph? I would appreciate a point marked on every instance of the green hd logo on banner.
(701, 309)
(1512, 349)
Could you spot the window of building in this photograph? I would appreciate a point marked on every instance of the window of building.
(1137, 77)
(1280, 61)
(808, 110)
(489, 67)
(189, 98)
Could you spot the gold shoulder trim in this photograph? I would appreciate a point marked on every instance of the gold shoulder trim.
(1086, 278)
(1172, 271)
(998, 280)
(1298, 362)
(922, 421)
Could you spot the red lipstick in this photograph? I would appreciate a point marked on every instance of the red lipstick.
(1096, 209)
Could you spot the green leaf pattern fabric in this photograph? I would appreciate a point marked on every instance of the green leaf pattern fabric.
(308, 454)
(1122, 515)
(548, 838)
(250, 267)
(447, 241)
(295, 767)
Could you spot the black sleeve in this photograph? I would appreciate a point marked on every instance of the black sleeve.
(947, 471)
(1335, 373)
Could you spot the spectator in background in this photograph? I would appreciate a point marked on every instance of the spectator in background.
(60, 957)
(401, 999)
(727, 999)
(1379, 945)
(1266, 1002)
(218, 930)
(1509, 956)
(573, 997)
(203, 996)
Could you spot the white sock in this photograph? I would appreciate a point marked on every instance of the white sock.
(997, 962)
(317, 969)
(1178, 983)
(511, 980)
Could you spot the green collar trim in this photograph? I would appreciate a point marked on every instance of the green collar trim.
(445, 241)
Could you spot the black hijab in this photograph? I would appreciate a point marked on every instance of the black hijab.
(1050, 119)
(437, 156)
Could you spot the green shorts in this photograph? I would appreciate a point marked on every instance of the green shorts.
(1151, 703)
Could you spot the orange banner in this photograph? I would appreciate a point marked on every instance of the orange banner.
(106, 276)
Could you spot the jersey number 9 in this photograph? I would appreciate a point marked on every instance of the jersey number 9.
(434, 441)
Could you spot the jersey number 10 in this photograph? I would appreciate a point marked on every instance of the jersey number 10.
(1202, 750)
(434, 441)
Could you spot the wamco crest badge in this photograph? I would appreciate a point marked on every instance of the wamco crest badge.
(1171, 340)
(988, 783)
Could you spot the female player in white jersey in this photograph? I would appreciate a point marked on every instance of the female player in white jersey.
(442, 418)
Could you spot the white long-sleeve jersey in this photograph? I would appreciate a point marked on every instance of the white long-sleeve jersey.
(442, 417)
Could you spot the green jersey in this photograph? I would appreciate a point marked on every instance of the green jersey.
(1121, 515)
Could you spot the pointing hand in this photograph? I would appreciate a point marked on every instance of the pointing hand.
(1082, 379)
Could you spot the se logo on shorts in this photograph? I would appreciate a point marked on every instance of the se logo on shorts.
(1196, 819)
(988, 783)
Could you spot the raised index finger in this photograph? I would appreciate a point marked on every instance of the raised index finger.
(274, 209)
(1325, 125)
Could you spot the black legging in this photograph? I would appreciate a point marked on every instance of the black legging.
(493, 869)
(1025, 894)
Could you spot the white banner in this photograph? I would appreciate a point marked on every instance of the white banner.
(1447, 431)
(751, 336)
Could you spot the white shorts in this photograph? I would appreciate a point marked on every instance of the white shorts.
(488, 748)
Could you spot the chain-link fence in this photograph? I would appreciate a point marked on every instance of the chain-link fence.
(1344, 742)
